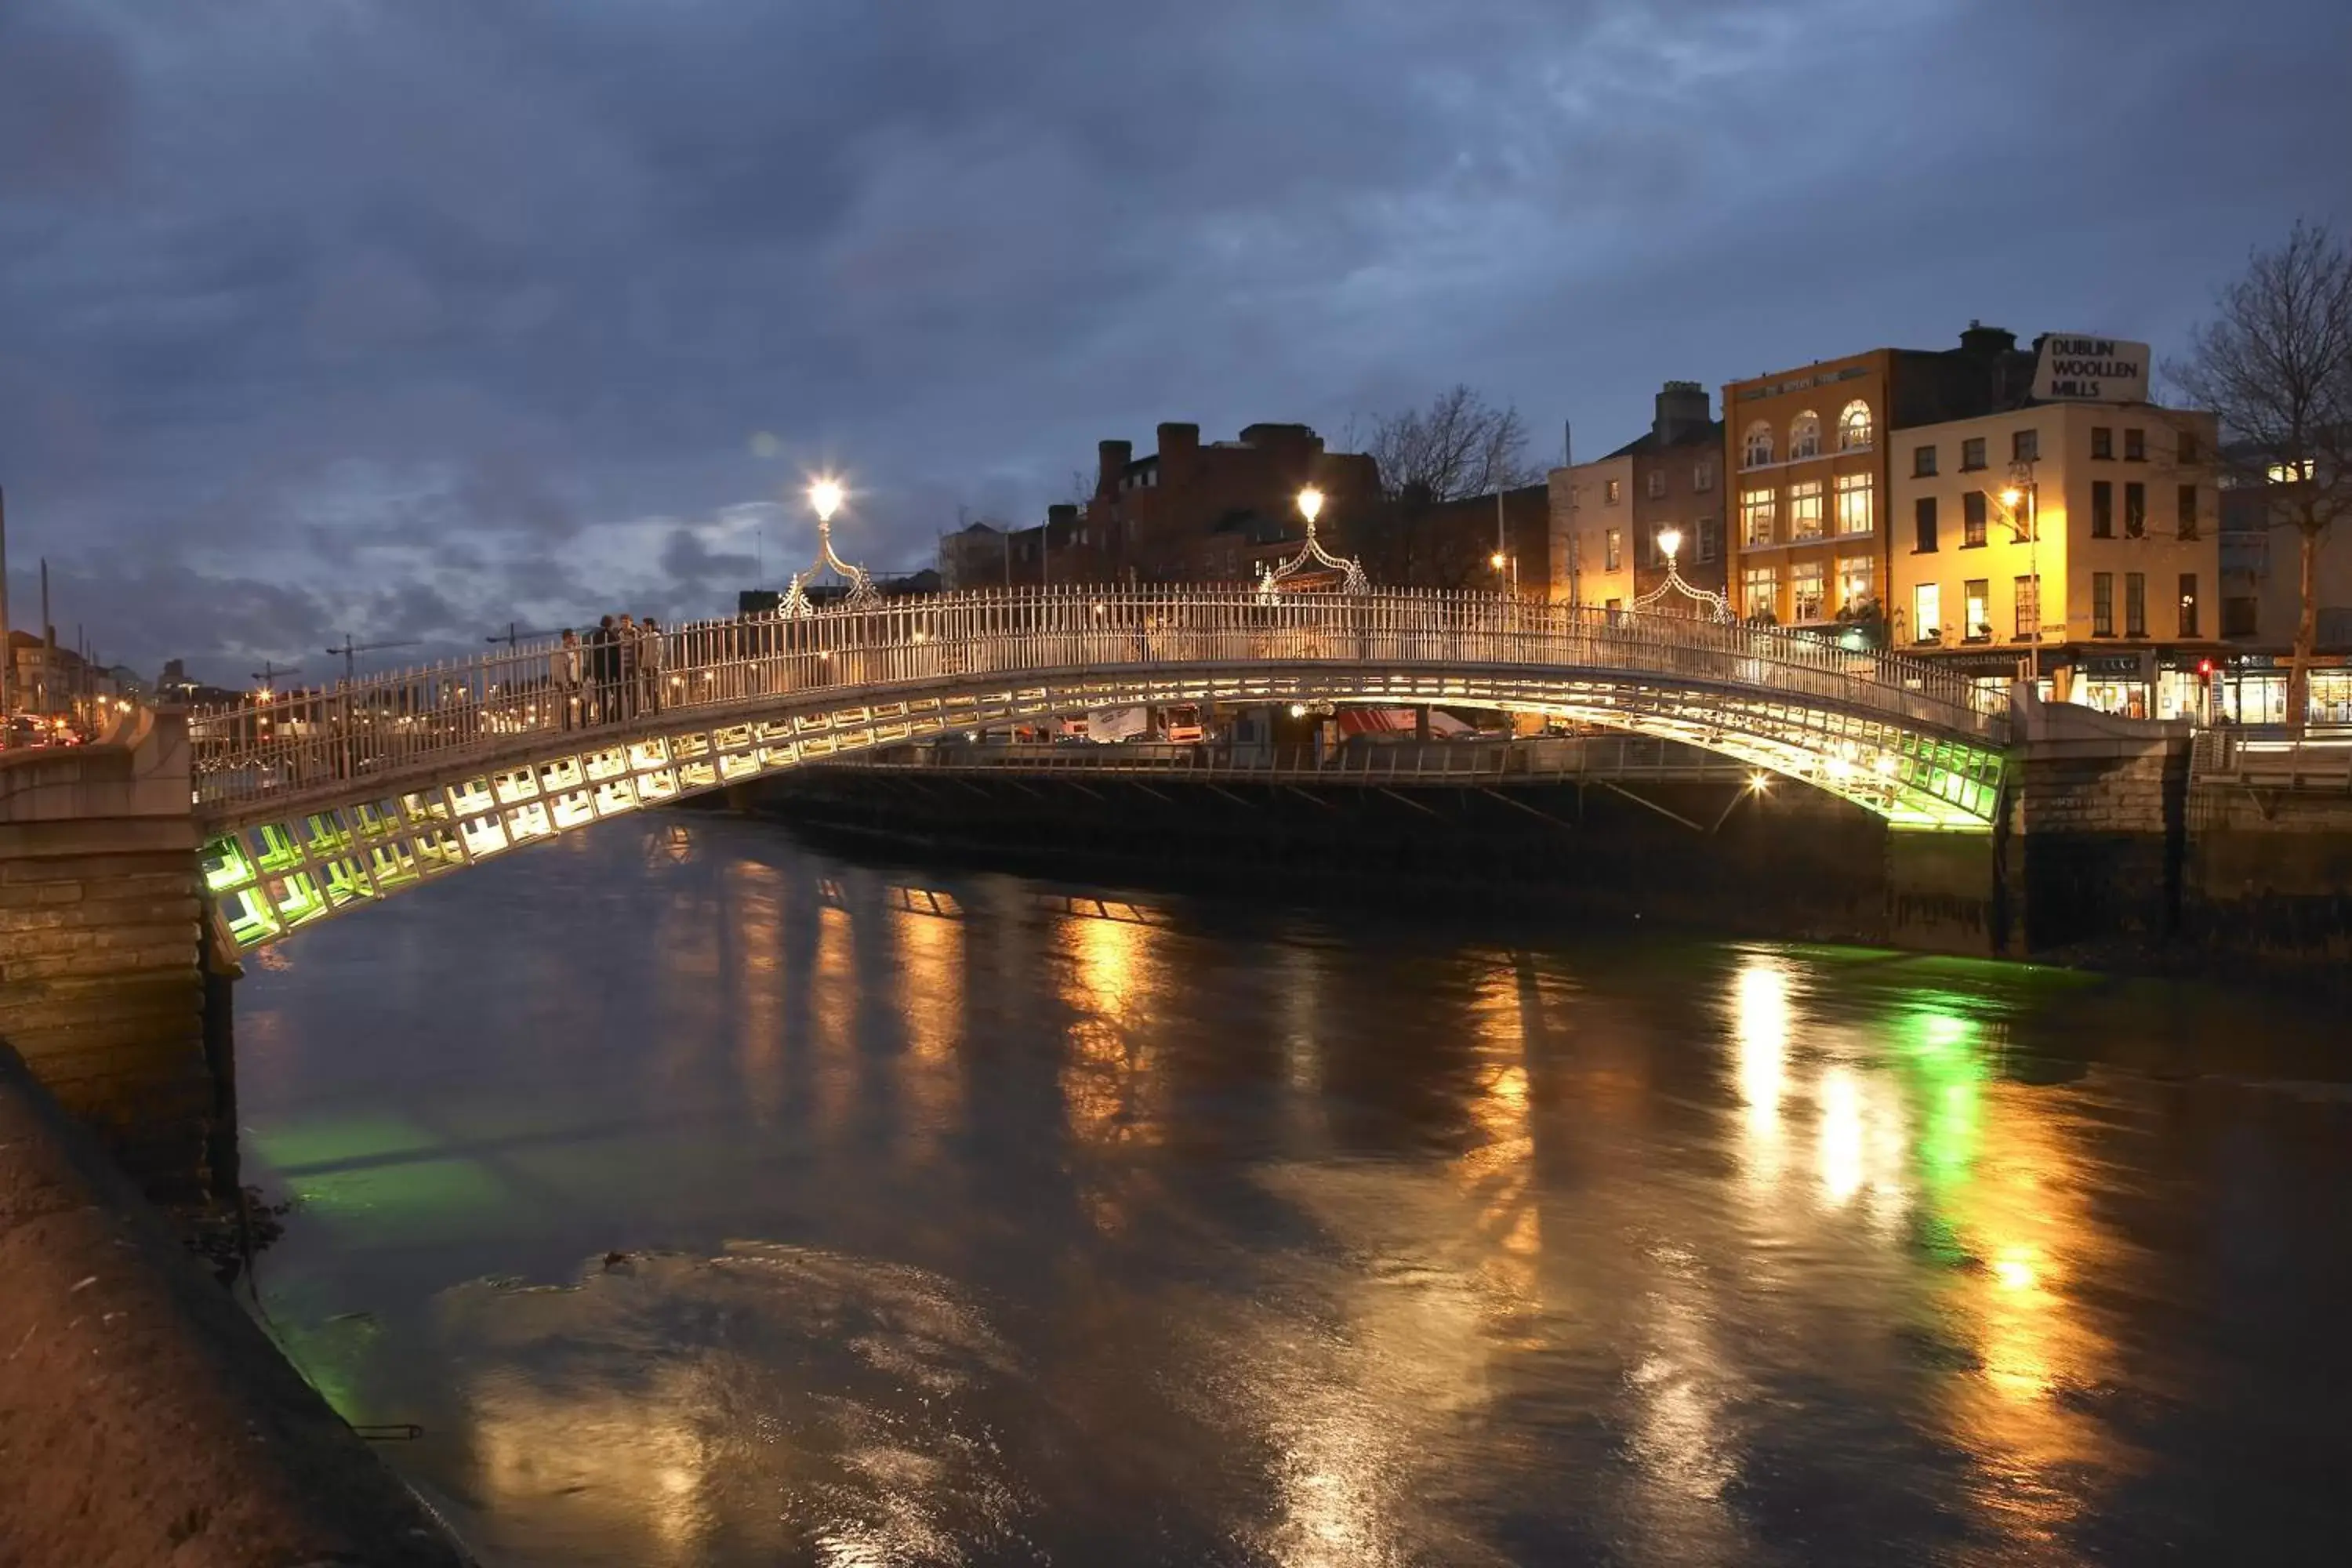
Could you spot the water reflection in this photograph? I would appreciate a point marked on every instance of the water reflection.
(996, 1224)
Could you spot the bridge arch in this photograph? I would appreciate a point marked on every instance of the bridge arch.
(315, 803)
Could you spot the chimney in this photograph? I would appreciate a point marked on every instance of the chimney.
(1682, 408)
(1988, 342)
(1180, 447)
(1063, 515)
(1110, 465)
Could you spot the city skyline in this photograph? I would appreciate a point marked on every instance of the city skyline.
(408, 325)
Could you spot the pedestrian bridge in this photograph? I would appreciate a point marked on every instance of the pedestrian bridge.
(317, 803)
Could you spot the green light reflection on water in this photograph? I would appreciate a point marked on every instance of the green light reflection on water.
(379, 1172)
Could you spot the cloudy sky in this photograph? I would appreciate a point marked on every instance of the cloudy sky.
(407, 318)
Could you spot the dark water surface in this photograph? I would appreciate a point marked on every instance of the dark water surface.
(964, 1223)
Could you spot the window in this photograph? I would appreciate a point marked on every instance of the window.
(2135, 603)
(1853, 426)
(1972, 519)
(1923, 525)
(1927, 612)
(2102, 510)
(2185, 511)
(1923, 462)
(2188, 452)
(1758, 449)
(2029, 609)
(2290, 472)
(1972, 453)
(1978, 610)
(1853, 511)
(2135, 510)
(2240, 616)
(1805, 435)
(2025, 447)
(1807, 582)
(1613, 492)
(2103, 603)
(1703, 478)
(1611, 548)
(1760, 593)
(1710, 538)
(1657, 483)
(2189, 603)
(1857, 582)
(2103, 442)
(1756, 510)
(1805, 510)
(2135, 445)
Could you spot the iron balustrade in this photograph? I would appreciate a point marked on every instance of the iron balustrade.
(475, 709)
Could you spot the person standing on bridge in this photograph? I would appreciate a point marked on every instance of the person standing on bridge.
(625, 659)
(605, 667)
(651, 658)
(565, 669)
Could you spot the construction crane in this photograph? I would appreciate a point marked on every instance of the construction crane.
(512, 636)
(352, 650)
(269, 673)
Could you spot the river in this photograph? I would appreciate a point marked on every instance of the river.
(706, 1199)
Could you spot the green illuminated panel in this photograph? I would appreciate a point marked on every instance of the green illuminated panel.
(225, 865)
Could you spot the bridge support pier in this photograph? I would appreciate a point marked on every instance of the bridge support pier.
(102, 988)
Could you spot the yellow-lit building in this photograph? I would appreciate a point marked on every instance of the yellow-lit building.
(1592, 533)
(2079, 541)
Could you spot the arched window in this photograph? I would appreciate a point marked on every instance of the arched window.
(1759, 445)
(1854, 426)
(1805, 435)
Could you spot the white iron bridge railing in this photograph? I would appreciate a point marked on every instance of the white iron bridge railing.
(414, 723)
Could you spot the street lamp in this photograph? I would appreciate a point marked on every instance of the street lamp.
(2020, 491)
(1669, 541)
(1310, 505)
(825, 496)
(1499, 560)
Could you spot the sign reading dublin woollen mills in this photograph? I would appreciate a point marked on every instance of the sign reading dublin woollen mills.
(2077, 369)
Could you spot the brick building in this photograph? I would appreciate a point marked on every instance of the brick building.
(1196, 512)
(1807, 455)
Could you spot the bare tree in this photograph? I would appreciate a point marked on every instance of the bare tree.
(1461, 445)
(2275, 366)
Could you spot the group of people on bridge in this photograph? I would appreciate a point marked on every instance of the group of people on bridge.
(612, 673)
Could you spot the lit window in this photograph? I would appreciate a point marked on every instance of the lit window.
(2290, 473)
(1758, 448)
(1614, 491)
(1927, 612)
(1857, 582)
(1657, 483)
(1853, 426)
(1805, 510)
(1760, 593)
(1611, 547)
(1853, 504)
(2103, 603)
(2029, 609)
(1757, 509)
(1808, 583)
(1805, 436)
(1977, 593)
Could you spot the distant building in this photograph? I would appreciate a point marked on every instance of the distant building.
(2078, 540)
(1607, 515)
(2262, 597)
(1191, 511)
(1472, 542)
(974, 556)
(1590, 521)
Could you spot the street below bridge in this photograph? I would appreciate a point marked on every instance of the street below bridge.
(705, 1198)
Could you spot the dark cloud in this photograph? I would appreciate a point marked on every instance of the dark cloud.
(412, 318)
